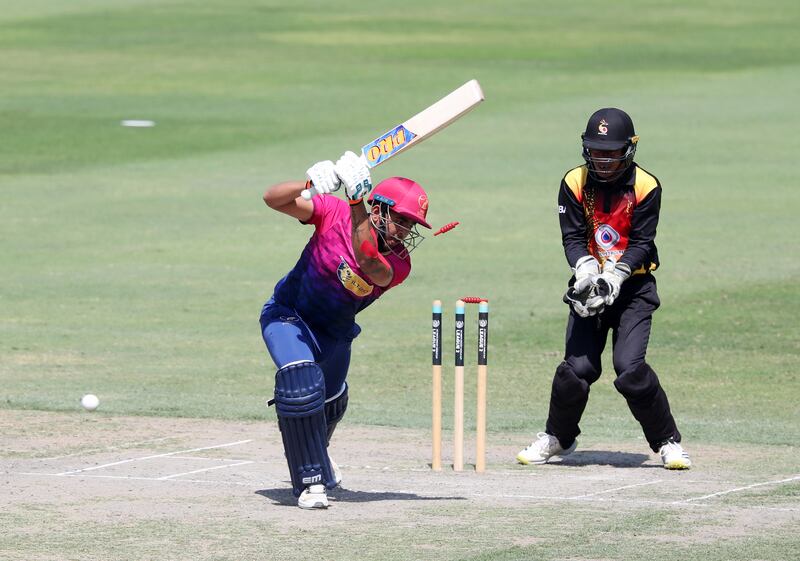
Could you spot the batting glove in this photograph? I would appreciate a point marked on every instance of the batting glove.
(610, 280)
(354, 173)
(323, 177)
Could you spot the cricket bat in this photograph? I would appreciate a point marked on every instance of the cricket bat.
(423, 125)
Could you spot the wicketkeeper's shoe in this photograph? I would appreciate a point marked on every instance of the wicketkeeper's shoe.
(314, 496)
(543, 448)
(673, 456)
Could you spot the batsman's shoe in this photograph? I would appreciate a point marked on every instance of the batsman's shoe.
(543, 448)
(337, 473)
(673, 456)
(314, 496)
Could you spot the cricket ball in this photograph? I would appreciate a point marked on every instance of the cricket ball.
(90, 402)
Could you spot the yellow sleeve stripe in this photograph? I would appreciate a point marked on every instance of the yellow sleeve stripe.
(644, 184)
(575, 180)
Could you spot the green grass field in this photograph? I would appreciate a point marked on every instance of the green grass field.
(134, 262)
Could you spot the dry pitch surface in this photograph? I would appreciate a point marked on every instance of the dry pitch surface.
(91, 487)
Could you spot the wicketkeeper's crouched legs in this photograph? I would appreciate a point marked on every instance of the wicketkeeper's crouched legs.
(568, 398)
(649, 405)
(300, 406)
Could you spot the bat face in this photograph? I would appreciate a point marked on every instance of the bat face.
(422, 125)
(387, 145)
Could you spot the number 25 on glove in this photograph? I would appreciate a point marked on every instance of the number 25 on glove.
(354, 173)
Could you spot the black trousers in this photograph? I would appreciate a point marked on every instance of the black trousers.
(629, 319)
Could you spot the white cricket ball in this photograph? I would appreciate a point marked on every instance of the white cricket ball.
(90, 402)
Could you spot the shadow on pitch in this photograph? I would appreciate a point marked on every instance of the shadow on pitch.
(285, 497)
(605, 458)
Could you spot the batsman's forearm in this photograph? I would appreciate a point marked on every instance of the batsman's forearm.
(365, 247)
(282, 194)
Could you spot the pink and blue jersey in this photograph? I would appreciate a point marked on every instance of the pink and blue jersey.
(326, 287)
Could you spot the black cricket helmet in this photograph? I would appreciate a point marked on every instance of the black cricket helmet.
(609, 129)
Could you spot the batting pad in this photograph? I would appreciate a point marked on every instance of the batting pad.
(300, 405)
(334, 411)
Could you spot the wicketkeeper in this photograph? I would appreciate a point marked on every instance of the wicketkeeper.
(608, 210)
(354, 256)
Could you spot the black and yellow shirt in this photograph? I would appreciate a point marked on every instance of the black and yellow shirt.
(610, 220)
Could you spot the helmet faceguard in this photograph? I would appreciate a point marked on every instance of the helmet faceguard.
(609, 130)
(403, 242)
(399, 200)
(595, 164)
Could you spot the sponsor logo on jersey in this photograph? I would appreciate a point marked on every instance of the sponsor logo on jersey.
(615, 254)
(606, 237)
(351, 281)
(562, 209)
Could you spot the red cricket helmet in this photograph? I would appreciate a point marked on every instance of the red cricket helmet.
(404, 196)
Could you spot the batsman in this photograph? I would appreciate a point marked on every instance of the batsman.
(354, 256)
(608, 212)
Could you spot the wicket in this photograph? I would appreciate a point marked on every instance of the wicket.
(458, 408)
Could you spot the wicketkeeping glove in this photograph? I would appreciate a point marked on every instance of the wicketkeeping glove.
(323, 177)
(586, 303)
(586, 270)
(610, 280)
(354, 173)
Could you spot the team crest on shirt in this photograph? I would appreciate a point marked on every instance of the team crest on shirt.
(351, 281)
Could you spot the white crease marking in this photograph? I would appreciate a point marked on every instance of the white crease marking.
(107, 448)
(154, 456)
(720, 493)
(202, 470)
(617, 489)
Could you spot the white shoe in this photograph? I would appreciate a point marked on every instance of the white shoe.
(541, 450)
(313, 496)
(337, 473)
(673, 456)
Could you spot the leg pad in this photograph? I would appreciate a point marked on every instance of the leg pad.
(334, 411)
(639, 386)
(568, 399)
(568, 389)
(649, 405)
(300, 405)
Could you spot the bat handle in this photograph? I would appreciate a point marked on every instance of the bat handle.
(308, 192)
